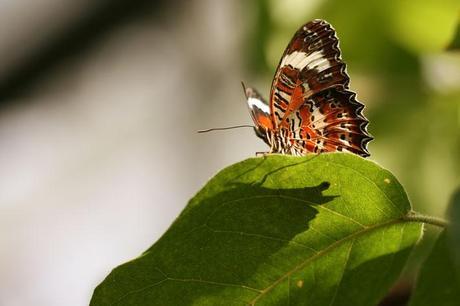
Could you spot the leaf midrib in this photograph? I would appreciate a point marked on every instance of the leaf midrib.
(263, 292)
(324, 251)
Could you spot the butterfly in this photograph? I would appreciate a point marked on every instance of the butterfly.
(311, 108)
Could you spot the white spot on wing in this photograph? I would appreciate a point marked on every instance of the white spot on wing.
(284, 95)
(300, 60)
(254, 102)
(322, 65)
(319, 119)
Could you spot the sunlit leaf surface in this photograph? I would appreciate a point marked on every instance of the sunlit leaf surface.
(277, 230)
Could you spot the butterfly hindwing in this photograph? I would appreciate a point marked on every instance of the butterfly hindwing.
(310, 102)
(329, 121)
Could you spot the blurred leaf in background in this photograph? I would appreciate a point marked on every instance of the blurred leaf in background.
(438, 281)
(455, 43)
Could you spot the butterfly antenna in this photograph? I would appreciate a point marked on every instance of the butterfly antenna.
(244, 89)
(226, 128)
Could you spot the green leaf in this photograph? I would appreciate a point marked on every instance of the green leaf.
(455, 43)
(278, 230)
(439, 280)
(454, 230)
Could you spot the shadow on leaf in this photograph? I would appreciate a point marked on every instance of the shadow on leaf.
(222, 244)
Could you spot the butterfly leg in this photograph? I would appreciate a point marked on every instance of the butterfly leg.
(262, 154)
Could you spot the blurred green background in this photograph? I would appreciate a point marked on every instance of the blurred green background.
(100, 102)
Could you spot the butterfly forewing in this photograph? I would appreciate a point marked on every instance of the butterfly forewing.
(310, 103)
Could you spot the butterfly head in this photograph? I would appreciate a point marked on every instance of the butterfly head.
(260, 113)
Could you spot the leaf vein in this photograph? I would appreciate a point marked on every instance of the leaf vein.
(256, 197)
(322, 233)
(190, 280)
(343, 272)
(373, 183)
(324, 251)
(324, 208)
(262, 237)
